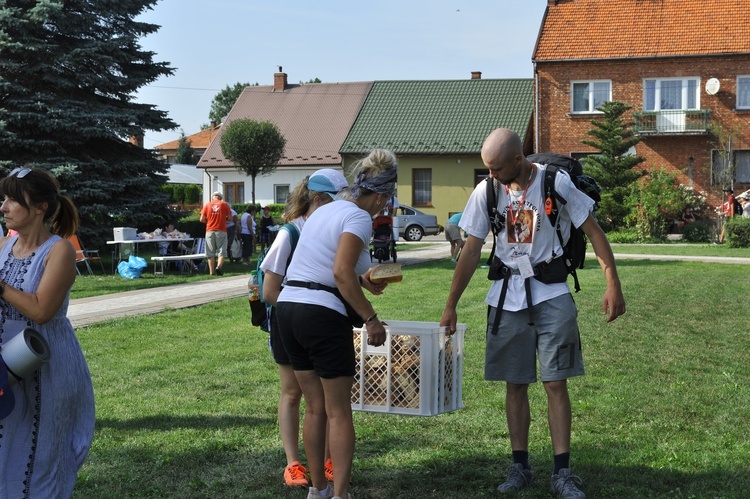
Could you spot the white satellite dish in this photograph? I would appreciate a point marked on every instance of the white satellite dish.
(712, 86)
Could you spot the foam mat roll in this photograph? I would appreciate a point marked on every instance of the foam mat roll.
(24, 354)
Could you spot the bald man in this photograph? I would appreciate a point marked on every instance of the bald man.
(525, 240)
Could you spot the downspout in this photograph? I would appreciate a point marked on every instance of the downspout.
(536, 108)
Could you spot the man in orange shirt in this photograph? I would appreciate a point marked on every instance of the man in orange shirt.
(215, 215)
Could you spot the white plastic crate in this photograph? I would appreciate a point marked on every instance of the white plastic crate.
(418, 371)
(124, 233)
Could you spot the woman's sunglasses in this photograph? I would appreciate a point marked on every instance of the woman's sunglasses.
(20, 172)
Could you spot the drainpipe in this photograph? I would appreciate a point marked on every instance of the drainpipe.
(536, 108)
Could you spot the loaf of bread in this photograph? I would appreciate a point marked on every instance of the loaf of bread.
(387, 272)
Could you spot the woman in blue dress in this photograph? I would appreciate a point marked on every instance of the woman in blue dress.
(45, 439)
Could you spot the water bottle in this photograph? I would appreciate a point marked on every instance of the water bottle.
(253, 290)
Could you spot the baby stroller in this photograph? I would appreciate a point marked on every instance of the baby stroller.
(383, 246)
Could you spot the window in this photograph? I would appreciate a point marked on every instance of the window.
(422, 182)
(586, 96)
(743, 92)
(671, 93)
(720, 167)
(480, 175)
(234, 192)
(281, 192)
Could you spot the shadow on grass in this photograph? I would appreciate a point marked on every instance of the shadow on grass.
(168, 422)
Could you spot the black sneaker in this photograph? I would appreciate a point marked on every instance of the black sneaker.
(218, 271)
(565, 485)
(518, 478)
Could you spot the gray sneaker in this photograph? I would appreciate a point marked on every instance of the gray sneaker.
(518, 478)
(565, 485)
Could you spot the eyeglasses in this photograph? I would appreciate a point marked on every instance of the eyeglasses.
(20, 172)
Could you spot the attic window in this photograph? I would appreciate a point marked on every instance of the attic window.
(586, 96)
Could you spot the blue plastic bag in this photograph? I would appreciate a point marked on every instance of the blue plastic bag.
(132, 268)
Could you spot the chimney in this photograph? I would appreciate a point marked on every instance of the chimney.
(279, 81)
(136, 140)
(551, 3)
(213, 124)
(476, 75)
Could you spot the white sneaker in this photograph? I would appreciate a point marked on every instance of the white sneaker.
(314, 493)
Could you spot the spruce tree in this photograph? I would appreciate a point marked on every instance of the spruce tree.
(69, 70)
(185, 154)
(613, 169)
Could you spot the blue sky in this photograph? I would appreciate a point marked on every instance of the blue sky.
(215, 43)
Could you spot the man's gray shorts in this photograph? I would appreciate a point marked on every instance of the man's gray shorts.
(216, 244)
(511, 354)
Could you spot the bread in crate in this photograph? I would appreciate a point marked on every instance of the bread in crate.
(417, 371)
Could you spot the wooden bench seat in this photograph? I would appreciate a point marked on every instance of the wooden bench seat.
(175, 258)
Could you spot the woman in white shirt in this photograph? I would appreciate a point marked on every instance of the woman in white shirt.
(332, 252)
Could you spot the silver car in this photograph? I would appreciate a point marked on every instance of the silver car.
(413, 224)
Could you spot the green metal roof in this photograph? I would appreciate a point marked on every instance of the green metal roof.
(439, 117)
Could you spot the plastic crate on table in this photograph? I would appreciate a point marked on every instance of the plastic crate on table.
(417, 372)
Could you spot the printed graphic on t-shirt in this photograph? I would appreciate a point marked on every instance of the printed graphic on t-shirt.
(215, 207)
(521, 227)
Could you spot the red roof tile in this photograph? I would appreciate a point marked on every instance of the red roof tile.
(199, 140)
(610, 29)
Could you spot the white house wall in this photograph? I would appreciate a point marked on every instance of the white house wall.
(214, 180)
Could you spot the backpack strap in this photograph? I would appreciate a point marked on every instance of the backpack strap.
(497, 221)
(551, 200)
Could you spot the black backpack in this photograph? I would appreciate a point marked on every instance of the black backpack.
(574, 251)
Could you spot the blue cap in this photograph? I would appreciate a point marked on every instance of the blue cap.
(329, 181)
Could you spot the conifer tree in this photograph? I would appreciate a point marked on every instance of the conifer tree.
(613, 168)
(69, 70)
(185, 154)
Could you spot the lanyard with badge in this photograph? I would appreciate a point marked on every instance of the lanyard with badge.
(524, 263)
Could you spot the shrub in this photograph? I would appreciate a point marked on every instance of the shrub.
(657, 199)
(168, 189)
(738, 232)
(179, 193)
(193, 194)
(623, 236)
(696, 232)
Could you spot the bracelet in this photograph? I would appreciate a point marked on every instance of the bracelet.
(372, 318)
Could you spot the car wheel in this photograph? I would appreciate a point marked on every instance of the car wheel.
(413, 233)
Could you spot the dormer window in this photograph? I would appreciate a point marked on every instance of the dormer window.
(586, 96)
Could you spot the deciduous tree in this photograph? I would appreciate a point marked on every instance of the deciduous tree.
(255, 147)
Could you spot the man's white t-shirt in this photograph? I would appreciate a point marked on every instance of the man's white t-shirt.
(531, 235)
(316, 252)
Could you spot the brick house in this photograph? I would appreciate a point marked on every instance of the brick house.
(198, 141)
(683, 66)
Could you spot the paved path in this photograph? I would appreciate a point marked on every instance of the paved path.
(85, 311)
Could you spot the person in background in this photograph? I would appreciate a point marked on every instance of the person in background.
(215, 214)
(513, 339)
(247, 233)
(320, 188)
(231, 233)
(266, 222)
(392, 211)
(47, 436)
(332, 259)
(453, 235)
(744, 200)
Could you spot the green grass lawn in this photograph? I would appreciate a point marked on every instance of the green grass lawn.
(186, 399)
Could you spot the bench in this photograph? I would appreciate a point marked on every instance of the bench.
(176, 258)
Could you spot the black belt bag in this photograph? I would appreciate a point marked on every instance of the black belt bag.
(354, 317)
(546, 272)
